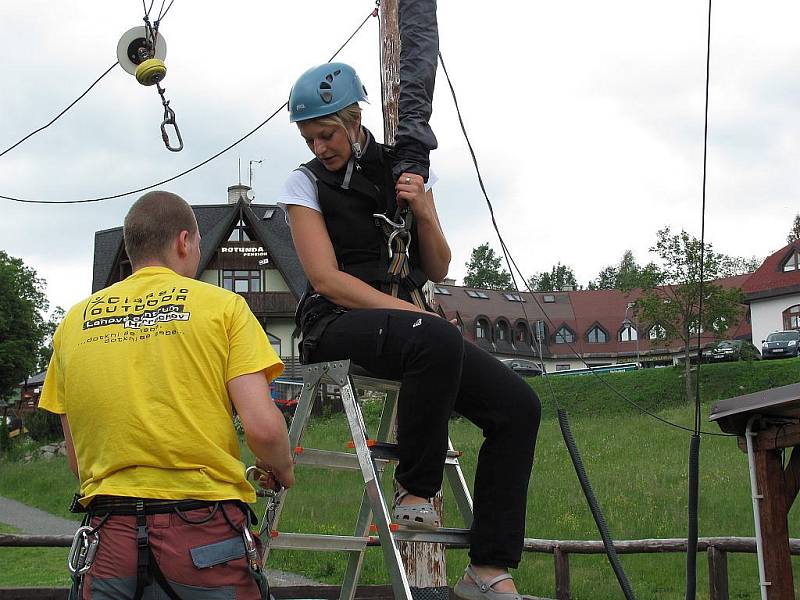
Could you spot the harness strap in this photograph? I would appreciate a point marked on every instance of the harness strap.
(147, 567)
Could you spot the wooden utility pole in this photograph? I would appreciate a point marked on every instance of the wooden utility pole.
(425, 563)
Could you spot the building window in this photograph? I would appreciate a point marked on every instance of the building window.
(793, 263)
(441, 290)
(240, 232)
(562, 367)
(695, 328)
(513, 297)
(502, 331)
(628, 333)
(242, 281)
(720, 325)
(791, 317)
(549, 298)
(657, 332)
(481, 329)
(477, 294)
(564, 335)
(596, 335)
(521, 333)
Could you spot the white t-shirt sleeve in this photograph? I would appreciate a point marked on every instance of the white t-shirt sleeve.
(299, 189)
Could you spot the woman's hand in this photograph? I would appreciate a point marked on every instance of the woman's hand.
(410, 189)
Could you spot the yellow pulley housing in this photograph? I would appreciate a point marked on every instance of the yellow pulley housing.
(151, 71)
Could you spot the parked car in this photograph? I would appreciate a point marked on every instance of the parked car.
(780, 344)
(523, 368)
(726, 350)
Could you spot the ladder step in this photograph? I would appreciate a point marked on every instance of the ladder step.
(362, 382)
(332, 459)
(313, 541)
(452, 537)
(387, 451)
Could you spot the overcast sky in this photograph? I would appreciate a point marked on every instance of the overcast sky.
(586, 118)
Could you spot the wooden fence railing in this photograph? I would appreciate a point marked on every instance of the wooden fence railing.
(717, 549)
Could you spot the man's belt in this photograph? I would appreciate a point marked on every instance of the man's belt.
(124, 505)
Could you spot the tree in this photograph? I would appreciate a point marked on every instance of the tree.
(626, 275)
(23, 329)
(673, 308)
(560, 277)
(737, 265)
(484, 270)
(794, 232)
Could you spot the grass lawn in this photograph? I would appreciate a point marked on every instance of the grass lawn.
(638, 468)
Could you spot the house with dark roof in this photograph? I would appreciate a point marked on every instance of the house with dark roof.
(773, 293)
(246, 248)
(554, 327)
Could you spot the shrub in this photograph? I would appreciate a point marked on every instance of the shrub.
(43, 426)
(5, 441)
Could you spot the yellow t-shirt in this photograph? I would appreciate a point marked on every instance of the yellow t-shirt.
(140, 369)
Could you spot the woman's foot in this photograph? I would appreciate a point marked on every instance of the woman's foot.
(487, 573)
(487, 583)
(414, 512)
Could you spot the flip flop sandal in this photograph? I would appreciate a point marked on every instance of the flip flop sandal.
(414, 516)
(482, 590)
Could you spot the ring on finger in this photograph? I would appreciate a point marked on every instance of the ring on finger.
(408, 179)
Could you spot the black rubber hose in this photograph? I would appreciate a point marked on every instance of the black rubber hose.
(691, 546)
(597, 513)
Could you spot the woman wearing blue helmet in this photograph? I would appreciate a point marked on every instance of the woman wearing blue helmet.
(338, 206)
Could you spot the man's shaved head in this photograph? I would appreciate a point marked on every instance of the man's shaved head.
(153, 223)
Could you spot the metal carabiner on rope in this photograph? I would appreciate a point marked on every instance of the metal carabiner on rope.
(169, 119)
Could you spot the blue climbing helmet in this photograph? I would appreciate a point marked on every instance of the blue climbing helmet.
(324, 90)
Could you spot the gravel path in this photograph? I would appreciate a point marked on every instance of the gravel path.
(34, 521)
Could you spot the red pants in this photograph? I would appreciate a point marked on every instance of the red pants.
(215, 570)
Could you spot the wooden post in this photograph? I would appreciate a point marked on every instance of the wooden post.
(774, 525)
(717, 574)
(425, 563)
(561, 561)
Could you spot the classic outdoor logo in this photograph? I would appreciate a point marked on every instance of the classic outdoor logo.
(148, 310)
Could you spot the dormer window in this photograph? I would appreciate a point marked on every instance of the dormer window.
(657, 332)
(596, 335)
(564, 335)
(628, 333)
(793, 262)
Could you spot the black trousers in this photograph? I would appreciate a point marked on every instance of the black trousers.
(441, 372)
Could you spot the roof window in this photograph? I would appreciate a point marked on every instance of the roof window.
(441, 290)
(477, 294)
(549, 298)
(513, 297)
(793, 262)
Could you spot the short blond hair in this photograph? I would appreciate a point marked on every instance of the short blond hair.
(153, 223)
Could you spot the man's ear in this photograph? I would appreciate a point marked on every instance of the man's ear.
(183, 243)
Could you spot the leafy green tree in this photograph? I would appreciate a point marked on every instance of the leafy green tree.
(794, 232)
(484, 270)
(558, 278)
(627, 275)
(737, 265)
(673, 308)
(23, 329)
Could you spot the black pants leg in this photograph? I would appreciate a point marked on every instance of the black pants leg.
(439, 371)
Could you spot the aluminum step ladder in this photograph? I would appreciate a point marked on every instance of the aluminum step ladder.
(371, 457)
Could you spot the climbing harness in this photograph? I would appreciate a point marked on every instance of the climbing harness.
(141, 52)
(398, 242)
(87, 539)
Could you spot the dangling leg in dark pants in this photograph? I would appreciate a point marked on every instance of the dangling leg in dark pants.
(440, 372)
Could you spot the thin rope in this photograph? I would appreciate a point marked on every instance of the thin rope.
(59, 115)
(189, 170)
(510, 261)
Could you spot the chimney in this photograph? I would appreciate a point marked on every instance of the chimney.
(448, 281)
(237, 191)
(567, 287)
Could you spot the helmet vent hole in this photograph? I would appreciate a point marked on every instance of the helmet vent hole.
(337, 72)
(326, 97)
(325, 85)
(329, 78)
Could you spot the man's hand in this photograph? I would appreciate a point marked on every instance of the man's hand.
(271, 478)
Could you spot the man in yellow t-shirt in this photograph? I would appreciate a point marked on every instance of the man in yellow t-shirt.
(145, 375)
